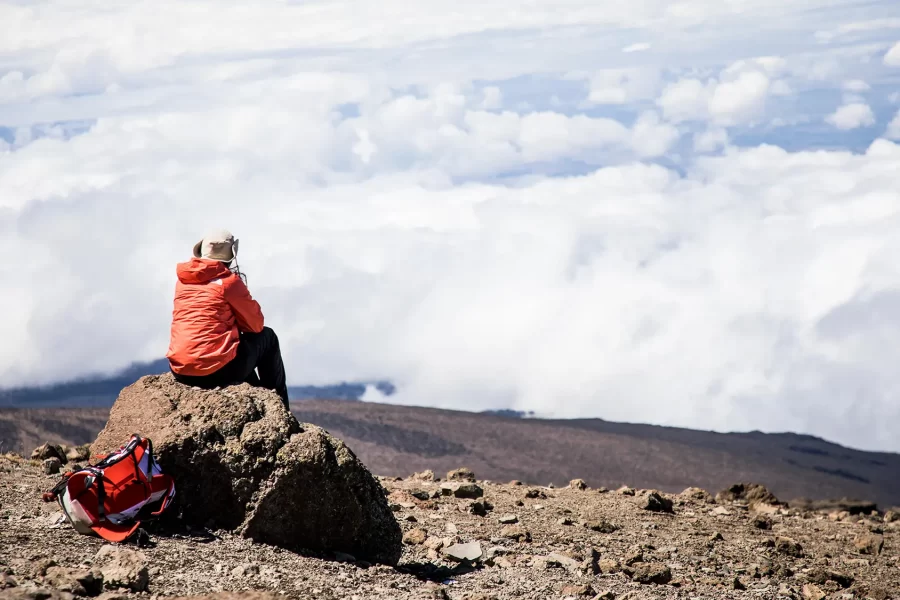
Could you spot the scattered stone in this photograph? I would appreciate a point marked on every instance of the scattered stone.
(608, 566)
(737, 584)
(822, 577)
(580, 589)
(123, 568)
(80, 582)
(578, 484)
(566, 561)
(415, 536)
(721, 511)
(869, 543)
(462, 490)
(891, 516)
(427, 475)
(245, 570)
(48, 450)
(749, 493)
(434, 543)
(435, 591)
(716, 537)
(879, 593)
(420, 494)
(535, 493)
(451, 528)
(495, 551)
(51, 466)
(470, 551)
(786, 545)
(635, 555)
(79, 453)
(7, 580)
(647, 573)
(656, 502)
(605, 595)
(244, 464)
(508, 519)
(812, 592)
(545, 562)
(625, 491)
(515, 482)
(762, 522)
(480, 507)
(461, 474)
(698, 494)
(564, 521)
(601, 526)
(516, 532)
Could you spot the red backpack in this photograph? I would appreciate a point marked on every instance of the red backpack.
(112, 497)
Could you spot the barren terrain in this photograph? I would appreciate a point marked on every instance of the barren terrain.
(531, 542)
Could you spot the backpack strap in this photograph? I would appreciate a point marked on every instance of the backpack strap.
(101, 497)
(56, 490)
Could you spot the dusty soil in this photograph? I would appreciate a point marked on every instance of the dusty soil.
(565, 543)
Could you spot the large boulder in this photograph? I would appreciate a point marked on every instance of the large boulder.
(242, 462)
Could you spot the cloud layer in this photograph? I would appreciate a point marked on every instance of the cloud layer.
(666, 213)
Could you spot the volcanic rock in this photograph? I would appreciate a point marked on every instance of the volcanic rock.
(415, 536)
(242, 462)
(461, 474)
(462, 490)
(656, 502)
(647, 573)
(123, 568)
(869, 543)
(48, 450)
(51, 466)
(749, 493)
(470, 551)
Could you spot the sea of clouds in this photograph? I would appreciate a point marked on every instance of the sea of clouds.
(683, 213)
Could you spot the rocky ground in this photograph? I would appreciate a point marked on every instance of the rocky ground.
(476, 540)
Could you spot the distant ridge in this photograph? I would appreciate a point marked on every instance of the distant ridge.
(102, 390)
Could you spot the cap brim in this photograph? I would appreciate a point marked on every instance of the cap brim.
(197, 249)
(114, 533)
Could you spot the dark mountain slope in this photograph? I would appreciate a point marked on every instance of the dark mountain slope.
(399, 440)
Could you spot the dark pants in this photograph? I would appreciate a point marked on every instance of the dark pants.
(256, 352)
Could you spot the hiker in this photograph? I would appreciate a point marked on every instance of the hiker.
(218, 337)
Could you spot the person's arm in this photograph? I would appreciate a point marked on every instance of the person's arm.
(246, 309)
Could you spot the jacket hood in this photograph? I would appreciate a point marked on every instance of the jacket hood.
(201, 270)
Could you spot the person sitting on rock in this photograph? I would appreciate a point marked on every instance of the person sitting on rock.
(218, 337)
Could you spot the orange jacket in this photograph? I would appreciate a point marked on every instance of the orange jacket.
(212, 305)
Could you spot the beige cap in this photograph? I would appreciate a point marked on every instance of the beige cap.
(217, 245)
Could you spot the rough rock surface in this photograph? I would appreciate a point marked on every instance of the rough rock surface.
(749, 493)
(122, 568)
(461, 474)
(48, 450)
(241, 462)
